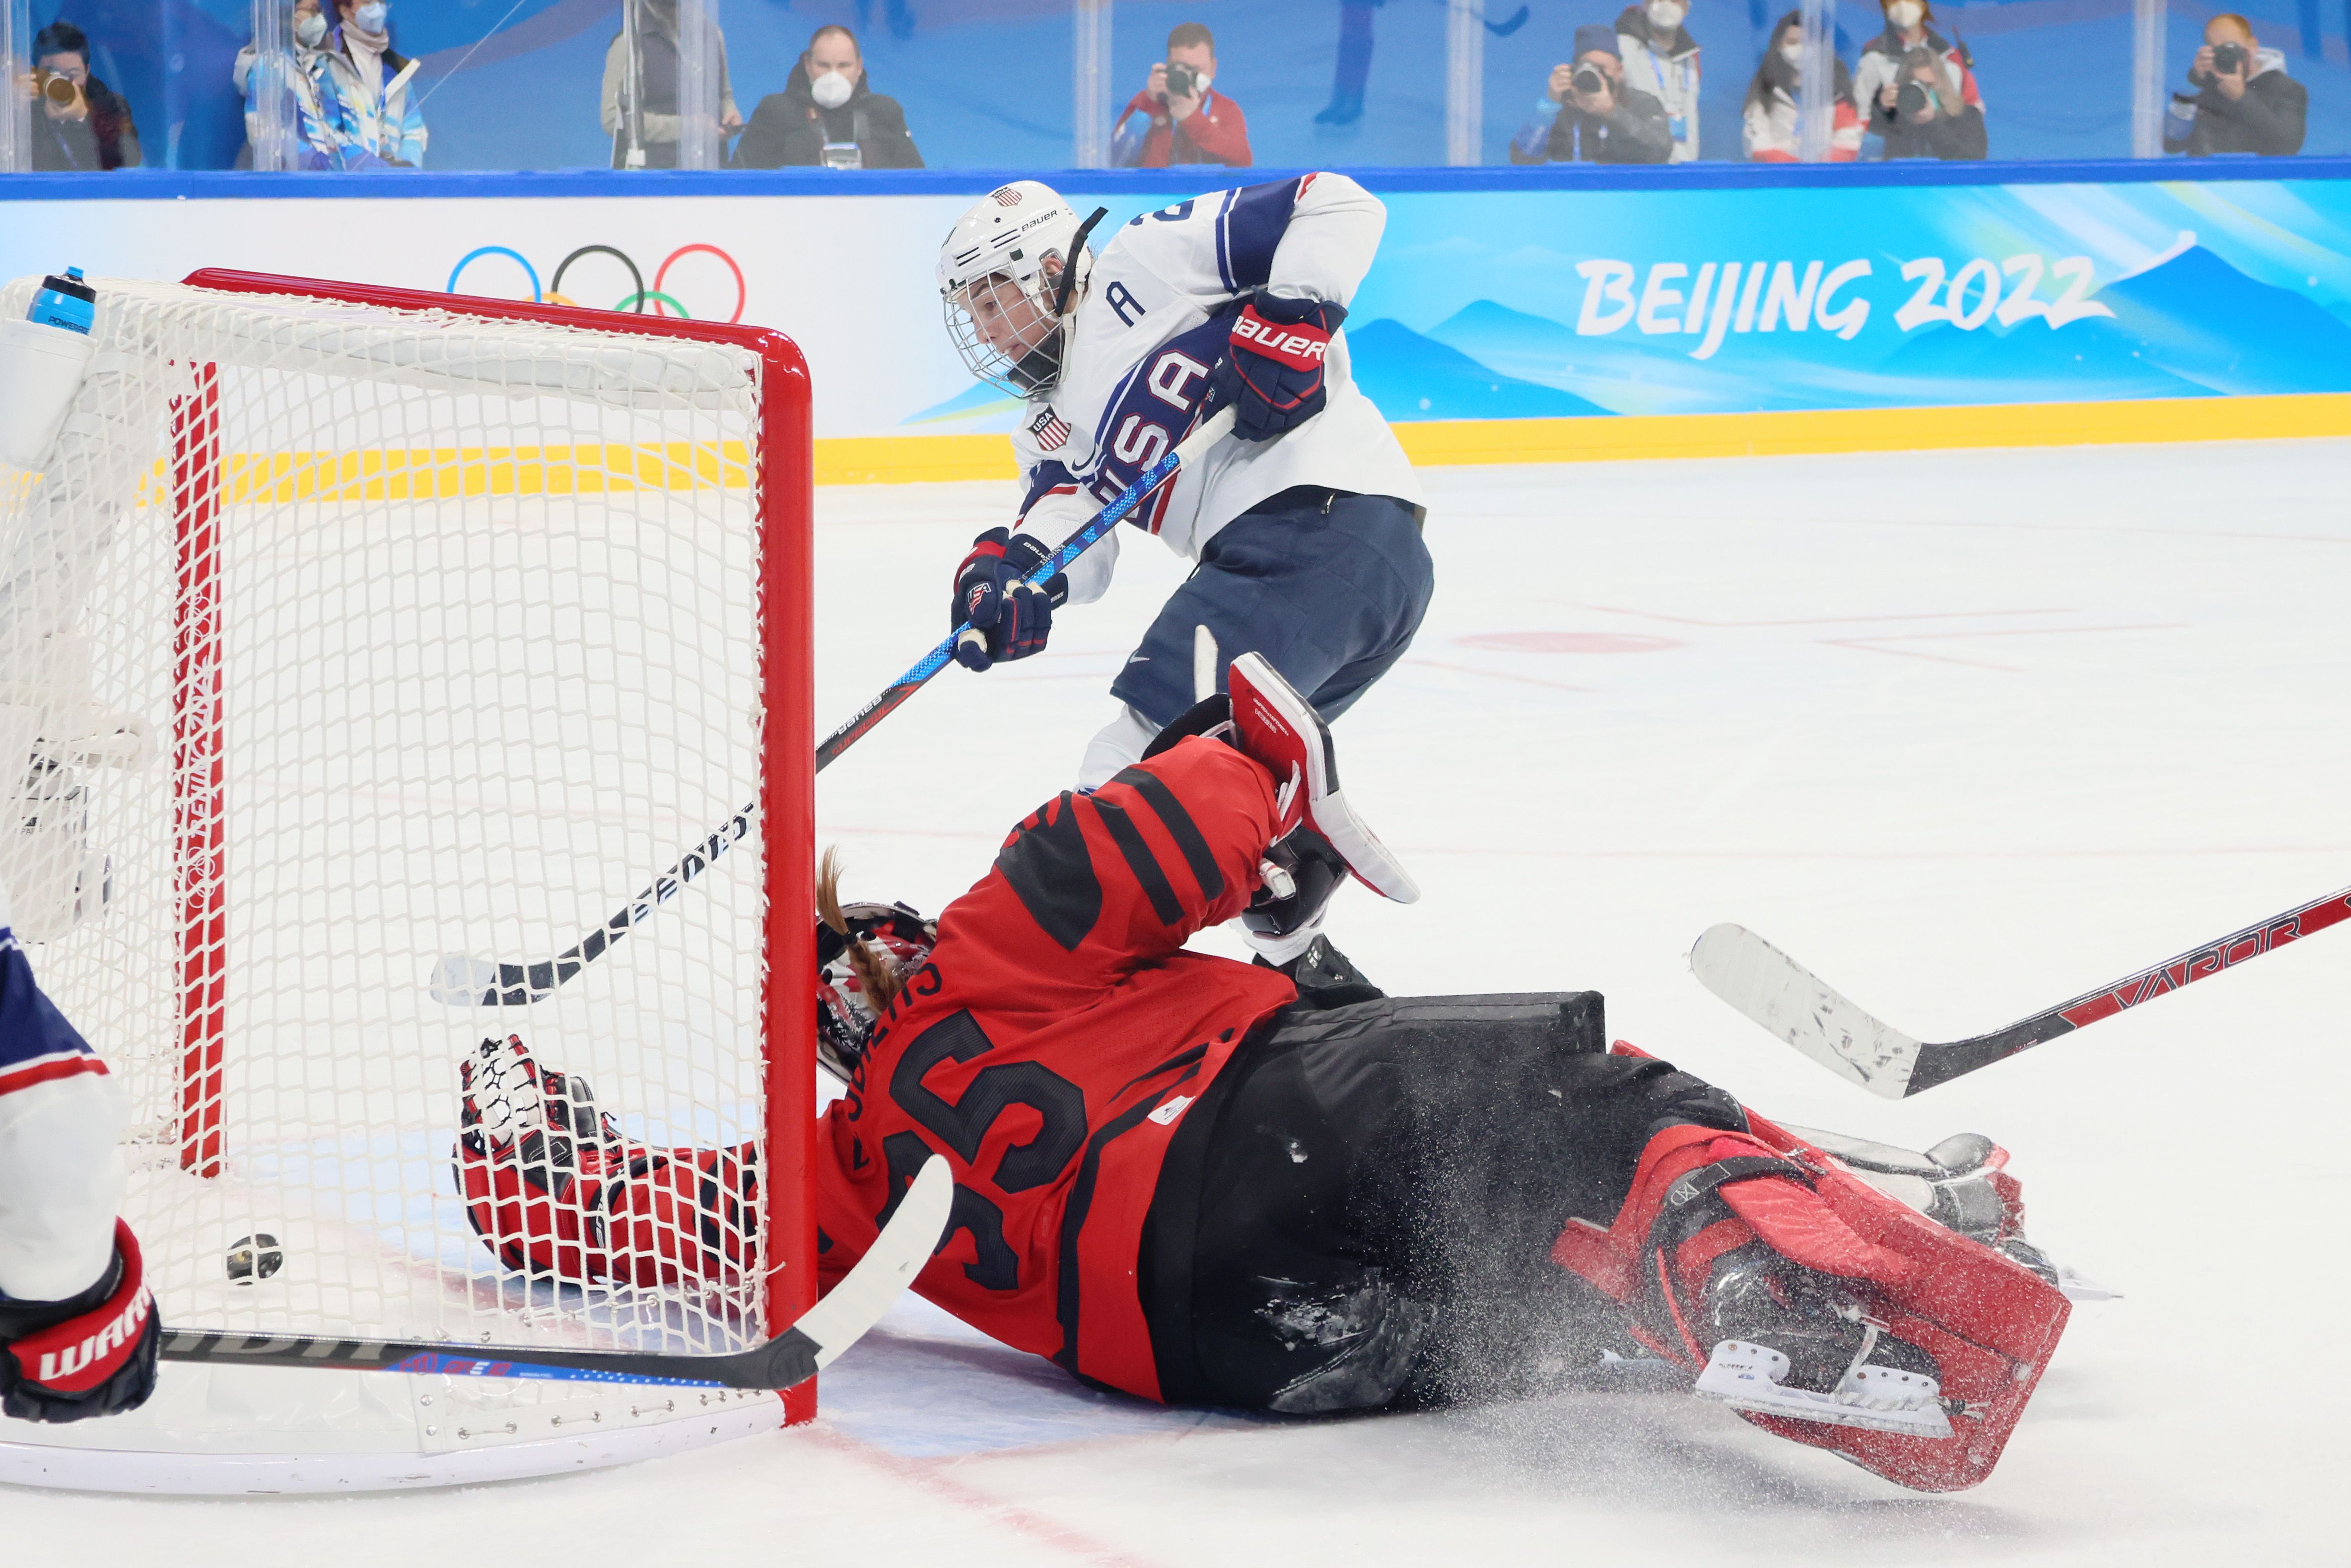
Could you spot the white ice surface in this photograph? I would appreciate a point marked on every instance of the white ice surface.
(1968, 732)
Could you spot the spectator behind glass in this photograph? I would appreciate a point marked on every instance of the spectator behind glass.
(1920, 91)
(2245, 102)
(1183, 120)
(640, 109)
(303, 27)
(367, 92)
(828, 113)
(1589, 115)
(78, 122)
(1660, 58)
(1772, 122)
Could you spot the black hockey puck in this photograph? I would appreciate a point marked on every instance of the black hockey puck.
(252, 1258)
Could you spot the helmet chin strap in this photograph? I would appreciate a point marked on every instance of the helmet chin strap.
(1070, 267)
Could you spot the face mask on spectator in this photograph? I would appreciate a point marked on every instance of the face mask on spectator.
(370, 16)
(831, 90)
(1792, 53)
(1665, 14)
(312, 30)
(1905, 14)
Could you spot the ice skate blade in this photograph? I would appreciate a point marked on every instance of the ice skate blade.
(1878, 1398)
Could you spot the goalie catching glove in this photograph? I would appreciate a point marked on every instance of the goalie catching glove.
(1010, 617)
(90, 1355)
(1272, 373)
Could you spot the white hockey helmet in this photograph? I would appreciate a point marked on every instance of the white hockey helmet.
(999, 300)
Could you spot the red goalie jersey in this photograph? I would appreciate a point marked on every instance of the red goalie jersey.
(1068, 952)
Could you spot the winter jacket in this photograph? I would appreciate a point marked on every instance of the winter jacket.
(310, 148)
(368, 123)
(2267, 120)
(1637, 132)
(658, 123)
(104, 138)
(1217, 132)
(1945, 136)
(1667, 72)
(1770, 128)
(789, 130)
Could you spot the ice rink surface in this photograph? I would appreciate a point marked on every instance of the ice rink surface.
(1968, 732)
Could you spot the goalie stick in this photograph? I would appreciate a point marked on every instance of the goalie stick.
(462, 981)
(792, 1358)
(1795, 1004)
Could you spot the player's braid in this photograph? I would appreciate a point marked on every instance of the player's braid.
(874, 975)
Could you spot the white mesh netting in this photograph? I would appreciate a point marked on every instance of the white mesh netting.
(479, 597)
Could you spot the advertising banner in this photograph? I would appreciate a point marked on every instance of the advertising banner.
(1485, 305)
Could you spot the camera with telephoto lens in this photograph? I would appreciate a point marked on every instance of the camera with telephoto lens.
(1589, 80)
(1182, 81)
(2228, 59)
(61, 90)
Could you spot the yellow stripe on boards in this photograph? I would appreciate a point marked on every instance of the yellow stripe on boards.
(593, 468)
(907, 459)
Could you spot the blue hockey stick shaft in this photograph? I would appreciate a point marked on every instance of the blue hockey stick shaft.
(1211, 431)
(461, 980)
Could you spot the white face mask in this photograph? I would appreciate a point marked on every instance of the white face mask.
(1665, 15)
(1792, 53)
(312, 30)
(370, 16)
(831, 90)
(1905, 14)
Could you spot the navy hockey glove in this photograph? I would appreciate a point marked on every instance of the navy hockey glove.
(1010, 618)
(1272, 373)
(91, 1354)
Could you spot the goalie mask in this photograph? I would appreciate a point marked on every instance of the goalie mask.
(1004, 307)
(895, 942)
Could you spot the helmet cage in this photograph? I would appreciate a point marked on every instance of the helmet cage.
(1026, 306)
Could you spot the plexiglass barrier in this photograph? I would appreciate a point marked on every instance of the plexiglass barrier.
(368, 86)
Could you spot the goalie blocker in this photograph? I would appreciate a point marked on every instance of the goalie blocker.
(1179, 1178)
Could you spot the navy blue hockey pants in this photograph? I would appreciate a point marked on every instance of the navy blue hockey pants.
(1329, 587)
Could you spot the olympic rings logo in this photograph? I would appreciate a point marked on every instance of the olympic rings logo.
(634, 301)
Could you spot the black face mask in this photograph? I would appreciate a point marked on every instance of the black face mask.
(1041, 367)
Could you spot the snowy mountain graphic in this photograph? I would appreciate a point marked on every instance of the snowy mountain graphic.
(2202, 319)
(1411, 377)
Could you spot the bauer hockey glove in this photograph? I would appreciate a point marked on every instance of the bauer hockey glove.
(1010, 618)
(91, 1354)
(1272, 373)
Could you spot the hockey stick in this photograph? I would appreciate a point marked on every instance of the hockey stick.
(460, 979)
(814, 1339)
(1800, 1008)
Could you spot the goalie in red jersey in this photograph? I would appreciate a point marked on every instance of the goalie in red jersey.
(1184, 1178)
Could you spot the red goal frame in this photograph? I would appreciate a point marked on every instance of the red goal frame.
(783, 498)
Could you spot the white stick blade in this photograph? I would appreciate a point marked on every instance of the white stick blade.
(461, 980)
(888, 1266)
(1796, 1004)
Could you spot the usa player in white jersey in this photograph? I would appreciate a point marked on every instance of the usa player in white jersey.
(78, 1332)
(1305, 521)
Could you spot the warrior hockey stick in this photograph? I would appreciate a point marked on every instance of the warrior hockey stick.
(461, 979)
(1800, 1008)
(792, 1358)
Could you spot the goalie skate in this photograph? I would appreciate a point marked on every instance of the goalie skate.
(1752, 1377)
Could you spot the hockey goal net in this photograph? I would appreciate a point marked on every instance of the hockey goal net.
(347, 628)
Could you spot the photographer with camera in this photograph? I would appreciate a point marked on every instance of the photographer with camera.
(1176, 119)
(1589, 114)
(1920, 91)
(829, 115)
(82, 123)
(2244, 104)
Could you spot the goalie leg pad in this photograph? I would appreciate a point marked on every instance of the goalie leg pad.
(1759, 1237)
